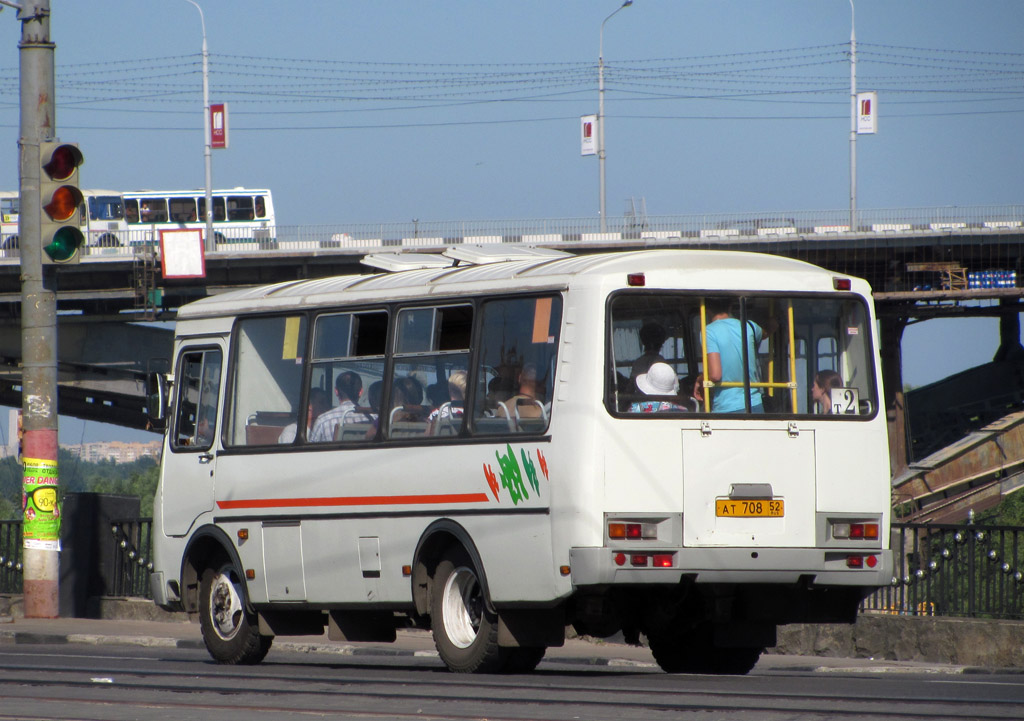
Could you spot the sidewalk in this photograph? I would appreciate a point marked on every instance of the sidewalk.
(410, 642)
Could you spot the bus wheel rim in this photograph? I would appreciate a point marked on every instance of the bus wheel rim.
(226, 610)
(462, 606)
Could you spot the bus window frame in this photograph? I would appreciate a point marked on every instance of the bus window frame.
(174, 425)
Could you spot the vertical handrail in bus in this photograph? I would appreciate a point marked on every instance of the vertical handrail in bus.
(770, 384)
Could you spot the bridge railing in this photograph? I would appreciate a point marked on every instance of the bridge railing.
(767, 228)
(966, 570)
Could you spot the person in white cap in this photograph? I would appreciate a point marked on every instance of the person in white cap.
(659, 380)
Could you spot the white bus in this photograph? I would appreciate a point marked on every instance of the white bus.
(243, 218)
(485, 471)
(101, 219)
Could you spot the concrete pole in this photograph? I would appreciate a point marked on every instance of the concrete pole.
(853, 120)
(210, 243)
(600, 115)
(38, 321)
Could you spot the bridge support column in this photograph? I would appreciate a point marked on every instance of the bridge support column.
(892, 386)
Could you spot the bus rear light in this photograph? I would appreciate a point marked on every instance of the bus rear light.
(872, 561)
(663, 560)
(858, 531)
(636, 280)
(633, 531)
(620, 559)
(638, 559)
(842, 284)
(855, 562)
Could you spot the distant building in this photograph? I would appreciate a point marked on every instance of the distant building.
(116, 451)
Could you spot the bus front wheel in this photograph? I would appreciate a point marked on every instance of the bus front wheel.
(230, 631)
(465, 630)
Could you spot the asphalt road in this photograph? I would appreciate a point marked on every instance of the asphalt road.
(113, 682)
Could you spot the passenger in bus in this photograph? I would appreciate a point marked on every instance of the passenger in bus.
(652, 338)
(821, 389)
(725, 359)
(407, 403)
(348, 386)
(659, 380)
(694, 386)
(319, 403)
(527, 402)
(452, 408)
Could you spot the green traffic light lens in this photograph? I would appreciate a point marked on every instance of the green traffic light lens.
(64, 244)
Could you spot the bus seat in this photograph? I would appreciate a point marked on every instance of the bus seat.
(354, 432)
(260, 435)
(408, 429)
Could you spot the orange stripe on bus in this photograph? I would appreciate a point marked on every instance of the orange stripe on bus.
(353, 501)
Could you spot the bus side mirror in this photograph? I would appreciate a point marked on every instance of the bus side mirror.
(157, 389)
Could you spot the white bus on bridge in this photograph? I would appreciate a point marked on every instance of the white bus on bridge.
(494, 467)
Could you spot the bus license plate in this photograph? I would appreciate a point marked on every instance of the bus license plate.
(750, 508)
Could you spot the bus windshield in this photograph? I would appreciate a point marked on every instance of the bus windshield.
(675, 352)
(106, 207)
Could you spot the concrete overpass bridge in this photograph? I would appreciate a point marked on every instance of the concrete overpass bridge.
(921, 263)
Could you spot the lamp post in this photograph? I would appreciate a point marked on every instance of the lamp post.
(210, 244)
(600, 112)
(853, 120)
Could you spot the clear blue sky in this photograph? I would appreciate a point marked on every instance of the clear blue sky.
(389, 111)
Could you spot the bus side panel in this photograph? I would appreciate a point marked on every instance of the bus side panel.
(351, 518)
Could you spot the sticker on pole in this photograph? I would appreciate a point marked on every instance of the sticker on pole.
(41, 529)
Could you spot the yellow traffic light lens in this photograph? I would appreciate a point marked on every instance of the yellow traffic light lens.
(64, 244)
(63, 161)
(63, 203)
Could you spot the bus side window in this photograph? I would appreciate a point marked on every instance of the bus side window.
(261, 207)
(240, 207)
(153, 210)
(514, 382)
(195, 421)
(183, 210)
(131, 211)
(429, 382)
(266, 393)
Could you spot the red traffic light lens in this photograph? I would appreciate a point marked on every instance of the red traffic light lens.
(63, 203)
(63, 161)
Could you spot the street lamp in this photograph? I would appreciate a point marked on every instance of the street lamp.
(853, 120)
(600, 112)
(210, 244)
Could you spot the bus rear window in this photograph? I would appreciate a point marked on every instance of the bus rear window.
(774, 355)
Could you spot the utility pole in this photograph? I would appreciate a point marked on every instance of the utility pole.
(38, 320)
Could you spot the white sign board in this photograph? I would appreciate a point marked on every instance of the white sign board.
(588, 135)
(181, 254)
(867, 113)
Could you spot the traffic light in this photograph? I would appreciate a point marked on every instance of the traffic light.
(61, 201)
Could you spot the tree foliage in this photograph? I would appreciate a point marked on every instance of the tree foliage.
(77, 476)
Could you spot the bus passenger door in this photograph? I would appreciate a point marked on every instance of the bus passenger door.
(188, 474)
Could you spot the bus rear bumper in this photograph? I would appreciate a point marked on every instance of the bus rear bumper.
(601, 566)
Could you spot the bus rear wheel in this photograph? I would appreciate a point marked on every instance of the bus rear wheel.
(695, 652)
(465, 630)
(230, 631)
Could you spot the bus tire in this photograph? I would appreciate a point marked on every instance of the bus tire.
(108, 240)
(465, 630)
(695, 652)
(230, 630)
(523, 659)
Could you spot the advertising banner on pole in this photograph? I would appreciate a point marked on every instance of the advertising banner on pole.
(41, 529)
(588, 135)
(219, 125)
(867, 113)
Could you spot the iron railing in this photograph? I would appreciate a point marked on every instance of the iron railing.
(133, 548)
(10, 557)
(965, 570)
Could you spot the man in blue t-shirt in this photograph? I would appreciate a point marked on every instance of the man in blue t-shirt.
(725, 360)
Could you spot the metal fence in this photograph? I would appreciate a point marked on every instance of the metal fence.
(10, 557)
(133, 548)
(966, 570)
